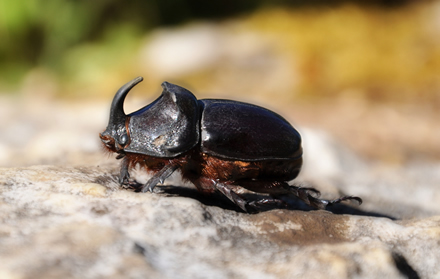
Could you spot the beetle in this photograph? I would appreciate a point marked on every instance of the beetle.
(218, 145)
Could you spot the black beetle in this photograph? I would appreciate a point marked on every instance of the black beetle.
(215, 144)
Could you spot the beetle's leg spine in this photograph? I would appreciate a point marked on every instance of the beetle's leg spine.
(230, 194)
(159, 177)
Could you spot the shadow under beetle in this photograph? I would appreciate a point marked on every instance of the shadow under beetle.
(215, 144)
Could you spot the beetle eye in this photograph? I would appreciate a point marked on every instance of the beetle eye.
(123, 139)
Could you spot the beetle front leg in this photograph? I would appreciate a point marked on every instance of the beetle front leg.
(265, 203)
(124, 177)
(159, 177)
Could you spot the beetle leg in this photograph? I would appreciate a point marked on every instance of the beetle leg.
(234, 197)
(250, 207)
(159, 177)
(258, 205)
(305, 196)
(344, 198)
(278, 188)
(124, 177)
(124, 174)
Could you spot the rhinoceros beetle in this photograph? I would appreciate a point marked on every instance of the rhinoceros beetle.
(218, 145)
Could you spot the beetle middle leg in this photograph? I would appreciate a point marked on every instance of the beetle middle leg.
(245, 205)
(230, 194)
(159, 177)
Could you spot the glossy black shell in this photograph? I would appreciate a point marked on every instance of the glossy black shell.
(241, 131)
(176, 122)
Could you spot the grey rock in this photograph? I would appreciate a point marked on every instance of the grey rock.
(79, 223)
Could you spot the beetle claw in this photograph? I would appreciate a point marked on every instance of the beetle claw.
(149, 186)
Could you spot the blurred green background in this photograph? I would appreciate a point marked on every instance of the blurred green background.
(367, 71)
(383, 49)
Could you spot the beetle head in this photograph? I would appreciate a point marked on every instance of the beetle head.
(116, 137)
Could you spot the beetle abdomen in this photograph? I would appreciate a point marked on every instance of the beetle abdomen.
(233, 170)
(246, 132)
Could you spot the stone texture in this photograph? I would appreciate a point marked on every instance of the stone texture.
(76, 222)
(63, 215)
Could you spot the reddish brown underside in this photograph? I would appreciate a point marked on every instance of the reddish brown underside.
(204, 170)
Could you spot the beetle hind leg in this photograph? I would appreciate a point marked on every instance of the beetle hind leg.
(311, 197)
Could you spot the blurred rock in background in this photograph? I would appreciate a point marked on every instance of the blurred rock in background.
(375, 63)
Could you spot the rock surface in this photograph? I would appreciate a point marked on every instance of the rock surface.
(66, 222)
(63, 215)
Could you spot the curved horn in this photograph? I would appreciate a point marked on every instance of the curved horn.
(117, 114)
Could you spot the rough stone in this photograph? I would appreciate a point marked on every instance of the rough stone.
(71, 219)
(79, 223)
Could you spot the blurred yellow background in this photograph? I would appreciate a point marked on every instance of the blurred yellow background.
(367, 72)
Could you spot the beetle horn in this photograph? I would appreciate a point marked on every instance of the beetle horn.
(117, 114)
